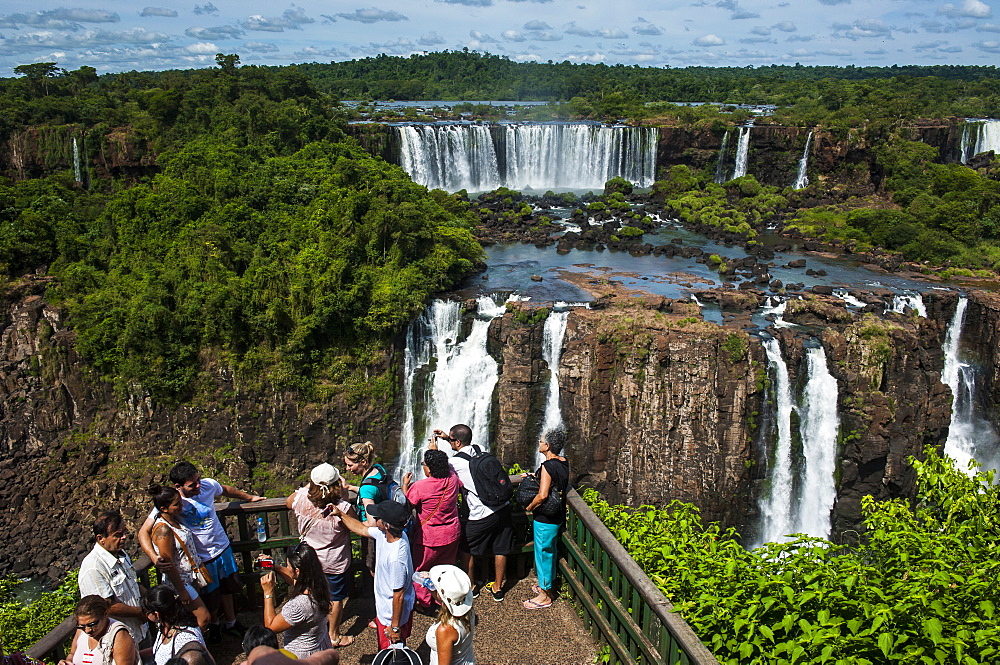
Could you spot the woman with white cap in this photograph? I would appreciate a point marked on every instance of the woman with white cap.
(450, 639)
(326, 534)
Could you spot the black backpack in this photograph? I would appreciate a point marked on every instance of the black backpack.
(387, 487)
(492, 483)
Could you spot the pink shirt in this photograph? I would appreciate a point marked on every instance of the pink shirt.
(436, 500)
(327, 535)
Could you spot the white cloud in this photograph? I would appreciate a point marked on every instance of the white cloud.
(862, 29)
(761, 30)
(786, 26)
(260, 47)
(202, 48)
(988, 47)
(513, 36)
(206, 9)
(928, 46)
(969, 8)
(800, 38)
(158, 11)
(988, 27)
(644, 27)
(217, 32)
(709, 40)
(373, 15)
(758, 40)
(537, 25)
(431, 38)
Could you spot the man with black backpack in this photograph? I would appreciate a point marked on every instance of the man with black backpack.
(486, 518)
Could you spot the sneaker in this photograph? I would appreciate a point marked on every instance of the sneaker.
(213, 634)
(498, 594)
(477, 587)
(237, 629)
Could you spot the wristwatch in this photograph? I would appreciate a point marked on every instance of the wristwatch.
(394, 629)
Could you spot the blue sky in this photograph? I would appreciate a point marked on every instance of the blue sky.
(125, 36)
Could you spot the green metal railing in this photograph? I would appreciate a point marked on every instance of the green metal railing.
(620, 605)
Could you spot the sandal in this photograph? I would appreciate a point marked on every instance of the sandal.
(341, 643)
(530, 604)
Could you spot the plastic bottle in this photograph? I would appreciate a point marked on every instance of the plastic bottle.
(261, 529)
(423, 578)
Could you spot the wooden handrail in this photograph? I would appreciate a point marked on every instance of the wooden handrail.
(658, 603)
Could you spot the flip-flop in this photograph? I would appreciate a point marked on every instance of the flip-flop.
(342, 643)
(530, 604)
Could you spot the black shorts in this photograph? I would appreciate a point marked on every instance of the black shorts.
(490, 535)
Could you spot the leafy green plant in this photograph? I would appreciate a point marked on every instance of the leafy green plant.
(22, 625)
(921, 589)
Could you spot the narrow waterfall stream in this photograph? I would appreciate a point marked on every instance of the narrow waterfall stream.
(802, 483)
(527, 156)
(970, 435)
(77, 175)
(446, 380)
(720, 166)
(776, 506)
(742, 152)
(911, 299)
(801, 179)
(552, 340)
(820, 423)
(979, 135)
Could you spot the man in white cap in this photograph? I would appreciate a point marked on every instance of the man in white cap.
(394, 593)
(328, 536)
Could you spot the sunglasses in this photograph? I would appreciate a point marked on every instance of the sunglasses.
(85, 626)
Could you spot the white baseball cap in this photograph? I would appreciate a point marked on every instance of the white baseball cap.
(325, 474)
(453, 585)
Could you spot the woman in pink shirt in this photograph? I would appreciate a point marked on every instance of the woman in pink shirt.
(435, 498)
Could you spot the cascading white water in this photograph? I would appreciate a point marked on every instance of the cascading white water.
(553, 333)
(776, 507)
(742, 152)
(980, 135)
(720, 166)
(845, 295)
(969, 434)
(819, 425)
(76, 162)
(801, 180)
(452, 380)
(539, 156)
(802, 491)
(449, 157)
(911, 299)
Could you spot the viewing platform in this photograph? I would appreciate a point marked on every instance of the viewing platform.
(609, 609)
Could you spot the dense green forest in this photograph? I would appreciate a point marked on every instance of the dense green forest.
(264, 235)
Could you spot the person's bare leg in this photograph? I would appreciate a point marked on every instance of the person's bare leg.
(469, 564)
(336, 611)
(500, 570)
(228, 608)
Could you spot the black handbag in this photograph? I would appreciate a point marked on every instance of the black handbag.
(528, 490)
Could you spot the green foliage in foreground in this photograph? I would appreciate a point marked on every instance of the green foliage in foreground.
(295, 268)
(23, 625)
(922, 589)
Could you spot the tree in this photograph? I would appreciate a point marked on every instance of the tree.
(228, 63)
(38, 73)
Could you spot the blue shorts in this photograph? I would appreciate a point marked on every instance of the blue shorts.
(224, 573)
(340, 585)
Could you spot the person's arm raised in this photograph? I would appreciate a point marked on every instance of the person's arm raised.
(234, 493)
(351, 523)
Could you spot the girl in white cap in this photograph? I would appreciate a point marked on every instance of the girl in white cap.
(327, 535)
(450, 639)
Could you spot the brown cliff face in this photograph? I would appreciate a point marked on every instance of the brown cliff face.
(69, 448)
(657, 407)
(980, 343)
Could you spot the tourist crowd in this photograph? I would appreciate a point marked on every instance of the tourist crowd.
(420, 543)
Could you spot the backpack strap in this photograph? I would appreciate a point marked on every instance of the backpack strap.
(107, 642)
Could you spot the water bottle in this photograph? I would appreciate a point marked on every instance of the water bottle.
(423, 578)
(261, 529)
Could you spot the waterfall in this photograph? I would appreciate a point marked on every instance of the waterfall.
(776, 507)
(720, 168)
(76, 162)
(802, 491)
(552, 340)
(801, 180)
(742, 152)
(844, 295)
(970, 435)
(911, 299)
(980, 135)
(450, 379)
(537, 156)
(820, 422)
